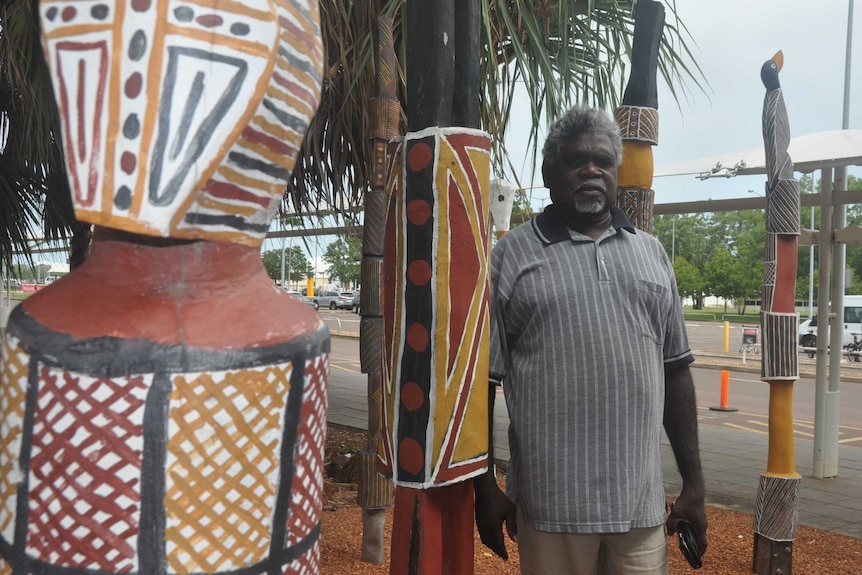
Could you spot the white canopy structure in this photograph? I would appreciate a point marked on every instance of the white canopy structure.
(830, 152)
(811, 152)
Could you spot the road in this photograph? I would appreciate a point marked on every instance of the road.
(747, 393)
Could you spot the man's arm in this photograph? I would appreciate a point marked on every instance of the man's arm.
(492, 505)
(680, 424)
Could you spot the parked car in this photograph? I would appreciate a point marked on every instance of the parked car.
(356, 301)
(305, 299)
(335, 299)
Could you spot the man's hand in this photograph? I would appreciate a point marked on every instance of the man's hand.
(492, 509)
(690, 507)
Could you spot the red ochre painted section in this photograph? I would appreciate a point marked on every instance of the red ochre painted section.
(419, 272)
(464, 268)
(204, 294)
(412, 396)
(417, 337)
(443, 527)
(419, 156)
(411, 456)
(785, 274)
(418, 212)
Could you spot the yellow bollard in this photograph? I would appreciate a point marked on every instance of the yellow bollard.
(726, 336)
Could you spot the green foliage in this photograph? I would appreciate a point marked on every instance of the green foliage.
(343, 256)
(689, 279)
(296, 265)
(719, 254)
(727, 249)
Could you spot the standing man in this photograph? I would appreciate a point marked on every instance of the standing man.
(589, 341)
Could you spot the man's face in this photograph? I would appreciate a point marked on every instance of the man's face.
(583, 179)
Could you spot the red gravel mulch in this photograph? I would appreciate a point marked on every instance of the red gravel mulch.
(730, 551)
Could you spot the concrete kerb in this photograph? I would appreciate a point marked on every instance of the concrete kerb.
(733, 361)
(344, 334)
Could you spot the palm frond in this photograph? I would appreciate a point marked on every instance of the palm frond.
(34, 186)
(20, 208)
(557, 52)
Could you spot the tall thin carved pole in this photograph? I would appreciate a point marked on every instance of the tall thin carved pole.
(777, 507)
(437, 294)
(375, 491)
(638, 118)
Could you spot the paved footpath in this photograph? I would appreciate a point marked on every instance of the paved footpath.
(733, 460)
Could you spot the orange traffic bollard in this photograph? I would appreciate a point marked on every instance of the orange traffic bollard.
(725, 392)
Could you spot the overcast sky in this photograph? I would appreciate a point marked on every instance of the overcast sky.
(732, 39)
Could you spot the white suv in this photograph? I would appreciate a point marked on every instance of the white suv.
(850, 325)
(335, 299)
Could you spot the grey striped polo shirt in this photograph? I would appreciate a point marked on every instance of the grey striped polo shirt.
(582, 332)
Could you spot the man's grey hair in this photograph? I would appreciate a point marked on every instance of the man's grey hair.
(577, 120)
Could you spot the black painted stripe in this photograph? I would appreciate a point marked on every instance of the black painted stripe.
(117, 357)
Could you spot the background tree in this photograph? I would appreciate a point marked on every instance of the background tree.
(683, 235)
(726, 278)
(296, 267)
(743, 233)
(343, 256)
(854, 251)
(689, 279)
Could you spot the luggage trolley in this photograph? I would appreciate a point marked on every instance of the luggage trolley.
(749, 339)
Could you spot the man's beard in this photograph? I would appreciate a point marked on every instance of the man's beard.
(593, 205)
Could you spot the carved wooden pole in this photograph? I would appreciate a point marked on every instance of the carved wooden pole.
(638, 118)
(375, 491)
(777, 507)
(163, 407)
(437, 291)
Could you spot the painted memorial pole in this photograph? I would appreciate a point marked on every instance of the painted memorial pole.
(637, 118)
(163, 407)
(777, 506)
(375, 491)
(436, 274)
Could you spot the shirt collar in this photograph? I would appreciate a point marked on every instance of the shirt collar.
(551, 229)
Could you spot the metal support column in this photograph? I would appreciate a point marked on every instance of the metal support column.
(828, 363)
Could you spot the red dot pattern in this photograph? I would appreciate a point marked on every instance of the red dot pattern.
(412, 396)
(418, 212)
(419, 272)
(210, 20)
(419, 156)
(128, 162)
(417, 337)
(410, 456)
(133, 85)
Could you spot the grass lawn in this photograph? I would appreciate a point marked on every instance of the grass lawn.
(719, 314)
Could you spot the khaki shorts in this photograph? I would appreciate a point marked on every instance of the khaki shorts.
(640, 551)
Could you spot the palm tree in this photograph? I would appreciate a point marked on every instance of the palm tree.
(561, 51)
(34, 191)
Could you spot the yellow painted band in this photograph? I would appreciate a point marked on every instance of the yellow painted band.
(637, 168)
(781, 460)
